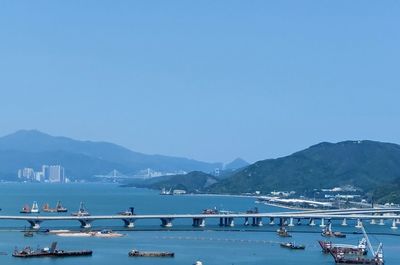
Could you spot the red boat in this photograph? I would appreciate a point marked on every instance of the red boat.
(360, 249)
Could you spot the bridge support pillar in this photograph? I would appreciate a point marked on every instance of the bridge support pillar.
(271, 221)
(166, 222)
(129, 223)
(298, 221)
(373, 222)
(85, 223)
(394, 224)
(322, 223)
(381, 222)
(359, 223)
(259, 221)
(344, 223)
(312, 222)
(281, 222)
(398, 221)
(229, 222)
(246, 221)
(291, 221)
(35, 224)
(199, 222)
(221, 221)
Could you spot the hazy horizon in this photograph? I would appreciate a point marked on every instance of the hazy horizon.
(210, 81)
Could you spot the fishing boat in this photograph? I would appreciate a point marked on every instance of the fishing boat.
(327, 232)
(377, 256)
(35, 207)
(60, 208)
(46, 208)
(25, 209)
(82, 211)
(360, 249)
(282, 232)
(292, 245)
(137, 253)
(53, 252)
(128, 212)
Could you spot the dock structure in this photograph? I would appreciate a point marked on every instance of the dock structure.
(358, 216)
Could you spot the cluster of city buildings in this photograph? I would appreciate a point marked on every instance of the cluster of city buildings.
(48, 173)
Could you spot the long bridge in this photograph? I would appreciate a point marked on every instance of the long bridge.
(374, 215)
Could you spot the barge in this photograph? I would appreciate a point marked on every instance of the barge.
(360, 249)
(137, 253)
(327, 232)
(52, 252)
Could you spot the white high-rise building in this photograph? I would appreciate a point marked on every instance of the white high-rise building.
(56, 173)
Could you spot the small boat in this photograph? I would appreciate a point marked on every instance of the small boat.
(35, 207)
(60, 208)
(166, 192)
(28, 233)
(129, 212)
(25, 209)
(210, 211)
(360, 249)
(137, 253)
(198, 263)
(282, 232)
(254, 210)
(106, 233)
(292, 245)
(46, 208)
(327, 232)
(82, 211)
(53, 252)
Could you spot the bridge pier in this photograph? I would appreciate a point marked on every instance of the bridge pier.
(229, 222)
(199, 222)
(373, 222)
(258, 221)
(35, 224)
(398, 221)
(291, 222)
(129, 223)
(394, 224)
(344, 223)
(298, 221)
(166, 222)
(359, 223)
(382, 222)
(322, 223)
(85, 223)
(271, 220)
(312, 222)
(246, 221)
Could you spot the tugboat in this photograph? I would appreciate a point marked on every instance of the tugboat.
(360, 249)
(129, 212)
(137, 253)
(377, 256)
(81, 212)
(282, 232)
(60, 208)
(53, 252)
(327, 232)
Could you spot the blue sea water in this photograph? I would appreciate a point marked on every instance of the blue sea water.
(211, 245)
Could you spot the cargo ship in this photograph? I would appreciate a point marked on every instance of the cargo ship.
(27, 209)
(137, 253)
(53, 252)
(360, 249)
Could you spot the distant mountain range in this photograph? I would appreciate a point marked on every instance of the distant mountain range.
(83, 159)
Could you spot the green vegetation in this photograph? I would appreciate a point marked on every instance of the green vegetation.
(371, 166)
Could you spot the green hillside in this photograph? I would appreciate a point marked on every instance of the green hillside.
(369, 165)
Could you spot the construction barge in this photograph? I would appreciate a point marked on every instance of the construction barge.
(137, 253)
(360, 249)
(51, 252)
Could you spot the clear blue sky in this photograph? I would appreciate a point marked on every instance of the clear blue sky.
(210, 80)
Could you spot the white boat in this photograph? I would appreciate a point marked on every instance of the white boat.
(35, 207)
